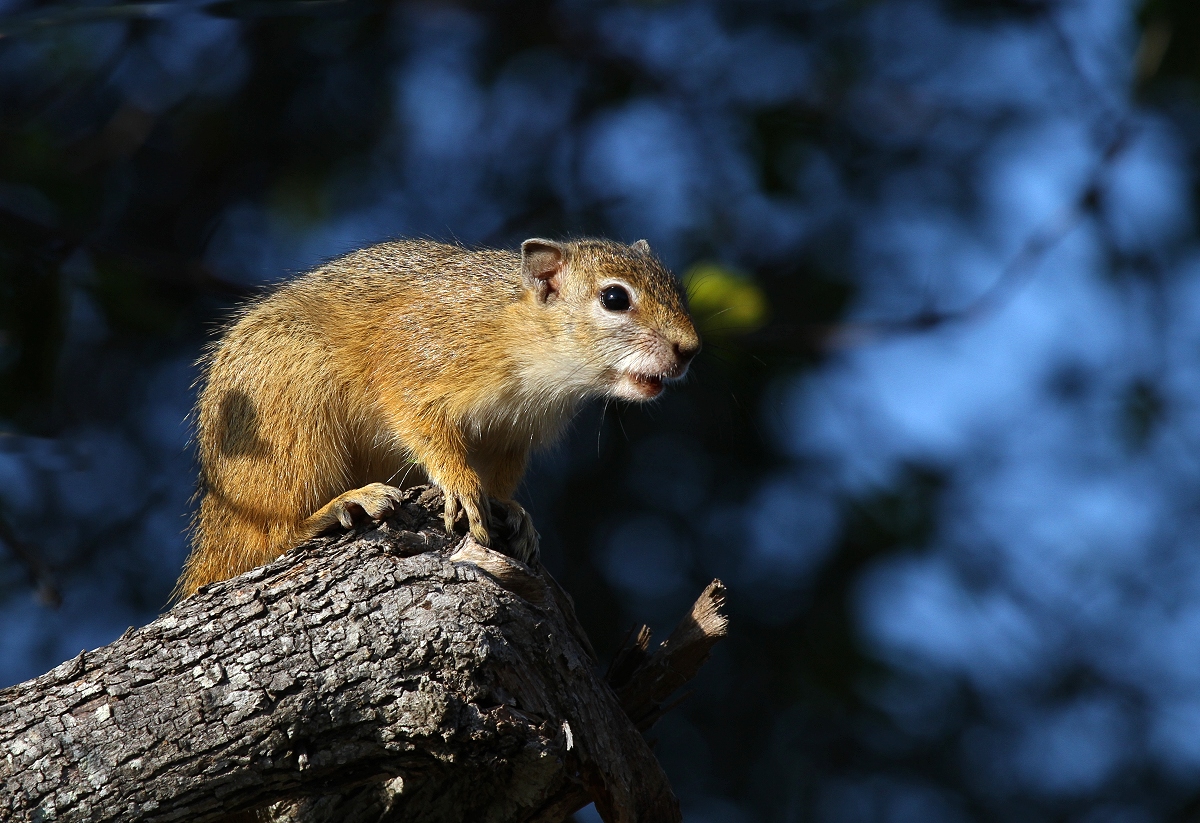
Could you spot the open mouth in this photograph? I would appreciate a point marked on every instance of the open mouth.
(648, 385)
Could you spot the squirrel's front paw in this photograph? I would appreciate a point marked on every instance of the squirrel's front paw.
(523, 539)
(475, 507)
(376, 501)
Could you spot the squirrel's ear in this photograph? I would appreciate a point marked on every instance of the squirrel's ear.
(542, 266)
(641, 247)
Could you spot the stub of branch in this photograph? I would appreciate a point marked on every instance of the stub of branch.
(643, 680)
(642, 688)
(391, 674)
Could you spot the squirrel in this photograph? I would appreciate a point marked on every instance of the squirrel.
(413, 361)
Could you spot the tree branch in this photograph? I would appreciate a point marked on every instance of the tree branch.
(390, 674)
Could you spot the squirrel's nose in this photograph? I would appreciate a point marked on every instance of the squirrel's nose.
(686, 351)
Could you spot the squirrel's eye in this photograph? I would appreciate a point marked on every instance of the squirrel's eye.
(615, 298)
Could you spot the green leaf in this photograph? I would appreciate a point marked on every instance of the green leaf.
(724, 300)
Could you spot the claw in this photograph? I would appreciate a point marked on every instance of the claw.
(524, 541)
(450, 512)
(477, 523)
(376, 501)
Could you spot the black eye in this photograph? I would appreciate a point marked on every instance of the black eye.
(615, 298)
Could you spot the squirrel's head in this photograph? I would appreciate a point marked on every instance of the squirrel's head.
(619, 311)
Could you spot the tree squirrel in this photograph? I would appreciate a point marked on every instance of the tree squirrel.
(410, 362)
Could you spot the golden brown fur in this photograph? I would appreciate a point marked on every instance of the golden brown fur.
(412, 361)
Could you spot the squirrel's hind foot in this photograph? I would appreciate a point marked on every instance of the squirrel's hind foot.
(375, 501)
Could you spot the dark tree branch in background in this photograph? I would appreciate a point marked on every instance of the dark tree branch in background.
(1015, 275)
(39, 576)
(391, 674)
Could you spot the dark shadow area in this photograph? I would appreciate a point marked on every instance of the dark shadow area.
(237, 428)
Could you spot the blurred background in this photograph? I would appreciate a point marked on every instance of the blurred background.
(943, 443)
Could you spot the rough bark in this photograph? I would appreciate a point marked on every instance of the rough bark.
(390, 674)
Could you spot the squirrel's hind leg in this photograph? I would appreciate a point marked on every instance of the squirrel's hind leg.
(375, 500)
